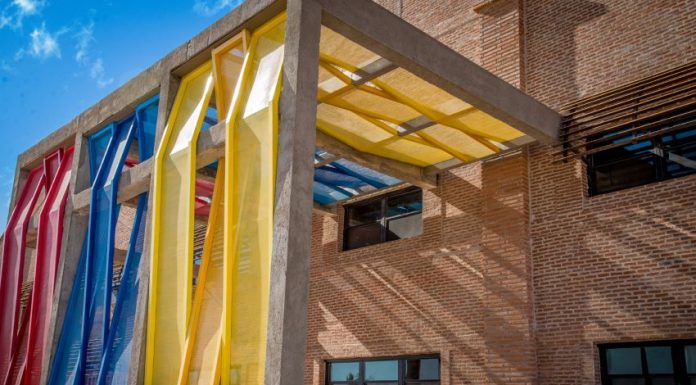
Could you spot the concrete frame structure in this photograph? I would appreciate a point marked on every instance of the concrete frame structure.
(359, 20)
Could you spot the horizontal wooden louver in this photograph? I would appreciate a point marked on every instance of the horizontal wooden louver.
(654, 106)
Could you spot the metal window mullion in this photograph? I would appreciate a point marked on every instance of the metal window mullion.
(361, 371)
(644, 366)
(383, 220)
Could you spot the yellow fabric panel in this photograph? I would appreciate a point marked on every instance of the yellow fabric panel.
(362, 135)
(422, 92)
(172, 237)
(478, 122)
(201, 366)
(328, 83)
(250, 156)
(456, 142)
(376, 106)
(343, 51)
(227, 65)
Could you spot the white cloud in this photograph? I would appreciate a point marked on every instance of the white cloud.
(96, 72)
(43, 44)
(210, 8)
(14, 13)
(84, 38)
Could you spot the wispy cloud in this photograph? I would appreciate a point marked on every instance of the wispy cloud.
(13, 14)
(84, 38)
(210, 8)
(95, 66)
(43, 44)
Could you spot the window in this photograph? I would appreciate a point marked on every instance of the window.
(392, 371)
(649, 363)
(655, 158)
(390, 217)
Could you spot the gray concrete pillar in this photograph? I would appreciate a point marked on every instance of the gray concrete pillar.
(292, 229)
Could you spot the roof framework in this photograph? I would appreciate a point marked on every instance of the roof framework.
(364, 94)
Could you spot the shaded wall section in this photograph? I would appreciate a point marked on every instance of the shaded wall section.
(462, 289)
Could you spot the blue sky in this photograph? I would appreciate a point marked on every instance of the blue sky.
(58, 57)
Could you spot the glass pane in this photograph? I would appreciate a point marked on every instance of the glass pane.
(381, 370)
(628, 381)
(405, 227)
(369, 212)
(405, 204)
(423, 369)
(659, 359)
(345, 371)
(624, 361)
(663, 381)
(364, 235)
(690, 356)
(626, 173)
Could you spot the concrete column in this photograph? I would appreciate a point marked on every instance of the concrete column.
(169, 85)
(74, 230)
(292, 230)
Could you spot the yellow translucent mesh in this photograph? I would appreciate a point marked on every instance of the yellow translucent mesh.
(364, 136)
(227, 64)
(450, 126)
(202, 358)
(172, 237)
(411, 86)
(456, 142)
(375, 106)
(328, 83)
(338, 49)
(250, 157)
(479, 122)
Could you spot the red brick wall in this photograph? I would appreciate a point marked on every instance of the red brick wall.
(519, 274)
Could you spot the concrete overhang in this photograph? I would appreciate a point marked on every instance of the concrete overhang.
(400, 54)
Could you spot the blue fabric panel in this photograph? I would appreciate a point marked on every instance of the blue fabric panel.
(146, 120)
(326, 195)
(332, 176)
(367, 175)
(97, 143)
(63, 367)
(101, 231)
(116, 360)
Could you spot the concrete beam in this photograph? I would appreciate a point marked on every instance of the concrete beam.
(136, 180)
(384, 33)
(292, 227)
(404, 171)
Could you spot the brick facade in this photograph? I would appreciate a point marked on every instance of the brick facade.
(519, 274)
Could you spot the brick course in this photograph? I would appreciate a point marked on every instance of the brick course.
(519, 274)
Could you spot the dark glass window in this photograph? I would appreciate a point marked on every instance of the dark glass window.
(387, 218)
(391, 371)
(649, 363)
(617, 166)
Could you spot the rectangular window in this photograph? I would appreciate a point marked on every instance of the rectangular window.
(627, 160)
(385, 371)
(649, 363)
(389, 217)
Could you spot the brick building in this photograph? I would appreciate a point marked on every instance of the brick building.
(520, 273)
(566, 262)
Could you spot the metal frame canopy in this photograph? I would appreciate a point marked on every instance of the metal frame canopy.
(365, 101)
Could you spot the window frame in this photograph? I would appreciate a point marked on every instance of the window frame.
(680, 374)
(401, 367)
(383, 219)
(659, 155)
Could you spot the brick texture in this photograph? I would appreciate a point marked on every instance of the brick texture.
(519, 274)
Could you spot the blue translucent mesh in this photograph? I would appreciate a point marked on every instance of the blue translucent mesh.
(146, 120)
(116, 360)
(101, 234)
(64, 364)
(97, 143)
